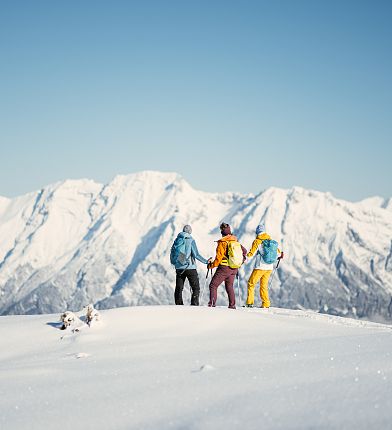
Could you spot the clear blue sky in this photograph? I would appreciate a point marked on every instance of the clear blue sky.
(234, 95)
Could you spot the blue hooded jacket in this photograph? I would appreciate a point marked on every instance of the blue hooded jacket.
(194, 253)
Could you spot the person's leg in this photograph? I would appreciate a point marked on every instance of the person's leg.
(193, 279)
(229, 282)
(216, 280)
(180, 279)
(253, 280)
(264, 296)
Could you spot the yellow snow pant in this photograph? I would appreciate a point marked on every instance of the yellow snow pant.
(256, 276)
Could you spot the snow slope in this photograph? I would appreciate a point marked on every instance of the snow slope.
(167, 367)
(76, 242)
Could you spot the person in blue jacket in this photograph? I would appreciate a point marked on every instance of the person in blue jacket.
(183, 256)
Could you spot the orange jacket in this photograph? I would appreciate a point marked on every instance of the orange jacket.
(221, 251)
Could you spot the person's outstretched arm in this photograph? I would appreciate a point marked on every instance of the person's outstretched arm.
(196, 254)
(244, 251)
(254, 247)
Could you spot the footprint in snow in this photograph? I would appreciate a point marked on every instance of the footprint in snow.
(205, 368)
(82, 355)
(78, 355)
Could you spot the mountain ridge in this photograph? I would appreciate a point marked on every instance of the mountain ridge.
(78, 241)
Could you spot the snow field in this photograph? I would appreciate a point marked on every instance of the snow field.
(167, 367)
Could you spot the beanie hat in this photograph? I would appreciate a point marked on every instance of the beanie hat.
(260, 228)
(225, 229)
(187, 229)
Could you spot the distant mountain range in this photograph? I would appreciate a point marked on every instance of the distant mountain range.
(79, 241)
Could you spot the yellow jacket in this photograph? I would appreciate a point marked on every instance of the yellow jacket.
(255, 246)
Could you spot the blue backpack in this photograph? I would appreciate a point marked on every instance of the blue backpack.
(181, 251)
(270, 251)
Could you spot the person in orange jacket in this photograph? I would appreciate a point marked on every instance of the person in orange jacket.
(262, 271)
(224, 273)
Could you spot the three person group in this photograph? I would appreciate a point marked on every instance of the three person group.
(184, 253)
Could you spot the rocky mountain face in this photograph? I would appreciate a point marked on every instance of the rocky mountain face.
(79, 242)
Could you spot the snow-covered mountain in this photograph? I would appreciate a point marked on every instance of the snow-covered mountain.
(78, 241)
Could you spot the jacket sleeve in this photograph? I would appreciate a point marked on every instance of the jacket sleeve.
(254, 247)
(220, 253)
(196, 254)
(244, 251)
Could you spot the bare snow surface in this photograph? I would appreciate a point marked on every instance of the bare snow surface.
(167, 367)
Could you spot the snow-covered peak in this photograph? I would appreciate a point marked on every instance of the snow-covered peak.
(4, 202)
(147, 177)
(78, 241)
(76, 185)
(376, 202)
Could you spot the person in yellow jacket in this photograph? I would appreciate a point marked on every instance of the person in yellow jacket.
(262, 271)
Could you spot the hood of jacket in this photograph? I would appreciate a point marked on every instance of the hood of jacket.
(263, 236)
(182, 235)
(227, 238)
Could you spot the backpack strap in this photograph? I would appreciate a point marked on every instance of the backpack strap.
(190, 255)
(227, 250)
(258, 247)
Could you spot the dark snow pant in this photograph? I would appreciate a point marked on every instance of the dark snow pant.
(193, 279)
(227, 275)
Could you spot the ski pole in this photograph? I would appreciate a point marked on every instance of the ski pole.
(277, 265)
(204, 287)
(238, 285)
(273, 273)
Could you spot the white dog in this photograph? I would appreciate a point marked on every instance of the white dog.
(67, 318)
(91, 314)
